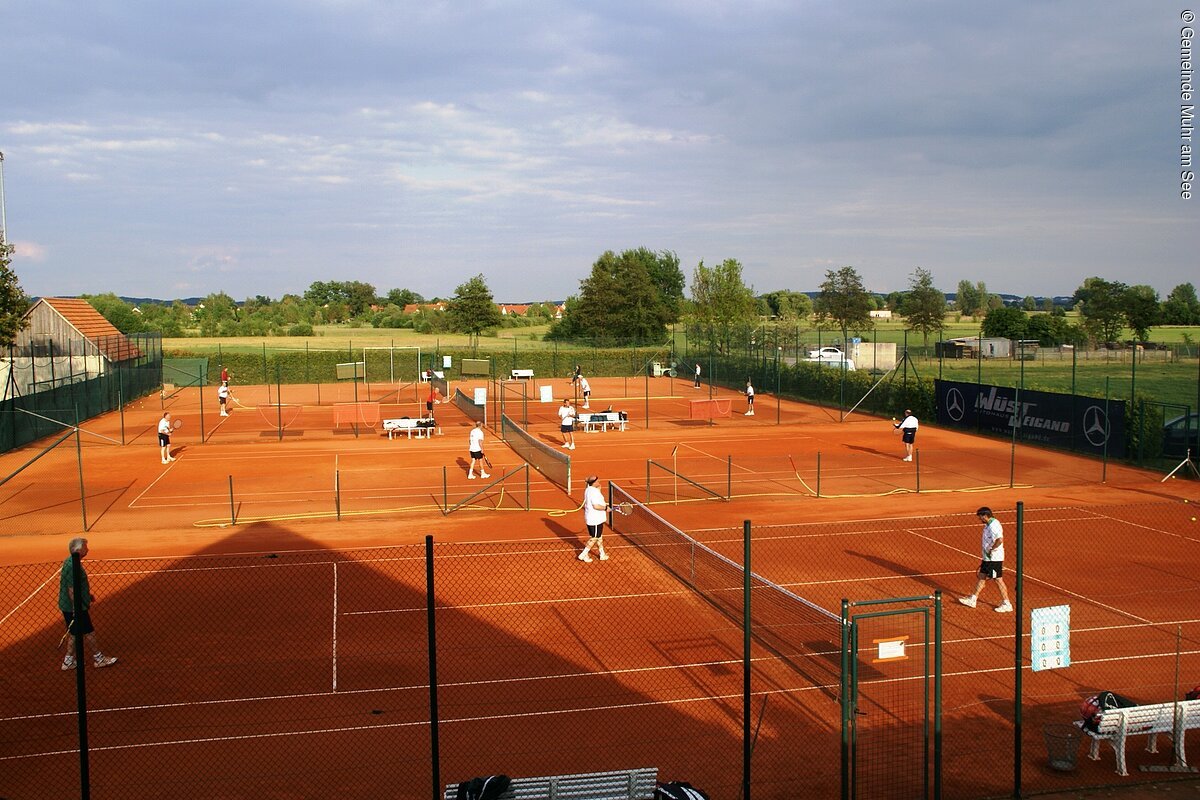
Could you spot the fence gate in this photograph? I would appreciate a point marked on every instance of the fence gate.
(892, 699)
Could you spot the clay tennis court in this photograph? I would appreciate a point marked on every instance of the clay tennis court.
(266, 597)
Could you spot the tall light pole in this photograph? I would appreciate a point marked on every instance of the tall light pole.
(3, 224)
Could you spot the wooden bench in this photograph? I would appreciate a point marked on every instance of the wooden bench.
(601, 420)
(1118, 724)
(631, 784)
(522, 374)
(409, 426)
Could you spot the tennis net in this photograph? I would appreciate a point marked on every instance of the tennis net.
(554, 465)
(467, 405)
(799, 632)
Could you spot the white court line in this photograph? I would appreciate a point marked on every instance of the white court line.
(162, 475)
(32, 594)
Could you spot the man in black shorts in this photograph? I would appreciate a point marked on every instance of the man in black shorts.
(991, 568)
(66, 604)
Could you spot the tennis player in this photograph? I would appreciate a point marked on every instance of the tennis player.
(566, 426)
(477, 452)
(223, 398)
(908, 429)
(66, 604)
(991, 568)
(749, 398)
(586, 389)
(697, 383)
(435, 397)
(164, 437)
(594, 508)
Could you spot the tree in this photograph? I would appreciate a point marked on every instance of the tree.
(786, 304)
(620, 302)
(117, 311)
(404, 297)
(472, 310)
(722, 302)
(1142, 310)
(1181, 306)
(13, 300)
(1006, 322)
(971, 298)
(665, 276)
(924, 306)
(1029, 303)
(844, 301)
(1101, 304)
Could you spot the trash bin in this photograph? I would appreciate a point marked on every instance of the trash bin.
(1062, 743)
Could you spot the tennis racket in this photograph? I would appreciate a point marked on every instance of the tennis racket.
(176, 424)
(487, 461)
(624, 509)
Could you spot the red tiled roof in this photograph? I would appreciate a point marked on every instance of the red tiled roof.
(92, 325)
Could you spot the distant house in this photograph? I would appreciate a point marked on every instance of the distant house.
(882, 313)
(416, 308)
(520, 310)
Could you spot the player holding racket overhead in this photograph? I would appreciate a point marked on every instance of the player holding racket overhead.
(907, 427)
(477, 455)
(594, 508)
(165, 426)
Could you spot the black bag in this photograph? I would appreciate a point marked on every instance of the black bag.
(624, 417)
(1194, 694)
(1094, 707)
(678, 790)
(426, 423)
(488, 788)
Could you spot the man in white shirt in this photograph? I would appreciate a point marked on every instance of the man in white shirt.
(594, 507)
(907, 427)
(164, 437)
(586, 389)
(476, 451)
(991, 568)
(566, 426)
(749, 398)
(223, 398)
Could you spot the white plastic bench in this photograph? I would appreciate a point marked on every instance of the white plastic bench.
(631, 784)
(1118, 724)
(601, 420)
(522, 374)
(409, 426)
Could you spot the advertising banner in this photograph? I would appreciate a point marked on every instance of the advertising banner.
(1069, 421)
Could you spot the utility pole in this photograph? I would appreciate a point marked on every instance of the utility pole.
(3, 223)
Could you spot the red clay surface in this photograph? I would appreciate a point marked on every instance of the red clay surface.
(1113, 542)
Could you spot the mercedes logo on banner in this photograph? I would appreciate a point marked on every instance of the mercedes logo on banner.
(1095, 426)
(956, 407)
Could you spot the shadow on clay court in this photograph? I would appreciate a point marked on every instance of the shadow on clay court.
(893, 569)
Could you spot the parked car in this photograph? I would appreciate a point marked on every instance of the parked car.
(826, 354)
(1180, 434)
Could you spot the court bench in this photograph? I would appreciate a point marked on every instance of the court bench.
(1116, 725)
(600, 421)
(631, 784)
(420, 427)
(522, 374)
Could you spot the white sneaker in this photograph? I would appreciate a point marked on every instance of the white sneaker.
(471, 476)
(104, 661)
(171, 458)
(907, 458)
(603, 556)
(585, 557)
(484, 475)
(572, 446)
(1004, 608)
(164, 461)
(968, 601)
(68, 664)
(567, 445)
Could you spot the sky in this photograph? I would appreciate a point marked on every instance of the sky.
(168, 150)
